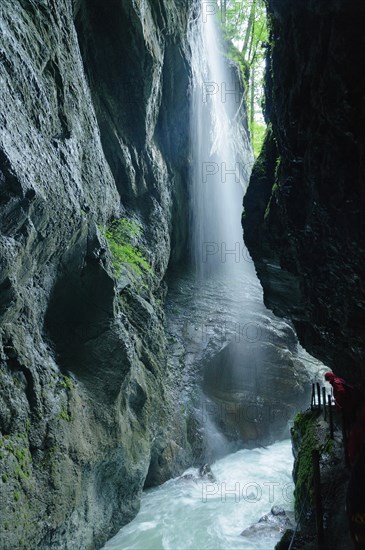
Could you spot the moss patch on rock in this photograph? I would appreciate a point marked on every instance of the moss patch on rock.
(122, 236)
(15, 457)
(304, 436)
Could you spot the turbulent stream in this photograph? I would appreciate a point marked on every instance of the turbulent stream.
(184, 514)
(223, 332)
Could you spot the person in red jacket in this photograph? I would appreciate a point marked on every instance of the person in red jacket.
(347, 397)
(351, 402)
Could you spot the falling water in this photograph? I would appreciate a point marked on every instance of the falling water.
(221, 153)
(221, 161)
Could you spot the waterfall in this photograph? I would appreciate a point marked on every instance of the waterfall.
(221, 159)
(221, 154)
(241, 343)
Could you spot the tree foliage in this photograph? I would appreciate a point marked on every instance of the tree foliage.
(244, 24)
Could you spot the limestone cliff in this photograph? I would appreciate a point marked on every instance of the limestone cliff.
(304, 210)
(87, 89)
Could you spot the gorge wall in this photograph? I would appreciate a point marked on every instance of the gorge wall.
(304, 210)
(87, 89)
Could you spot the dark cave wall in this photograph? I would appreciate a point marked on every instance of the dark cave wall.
(87, 91)
(304, 208)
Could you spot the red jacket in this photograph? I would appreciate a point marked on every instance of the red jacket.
(346, 396)
(341, 392)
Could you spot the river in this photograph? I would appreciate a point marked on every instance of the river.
(195, 515)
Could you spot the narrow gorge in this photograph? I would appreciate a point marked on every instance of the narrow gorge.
(154, 359)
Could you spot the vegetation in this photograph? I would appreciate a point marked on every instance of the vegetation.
(245, 25)
(67, 383)
(15, 450)
(122, 236)
(304, 429)
(273, 191)
(64, 415)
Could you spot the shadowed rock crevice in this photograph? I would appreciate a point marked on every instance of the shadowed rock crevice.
(141, 102)
(9, 183)
(304, 214)
(122, 86)
(304, 223)
(79, 323)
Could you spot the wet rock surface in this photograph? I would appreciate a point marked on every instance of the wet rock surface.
(276, 520)
(86, 89)
(311, 431)
(205, 473)
(304, 222)
(248, 362)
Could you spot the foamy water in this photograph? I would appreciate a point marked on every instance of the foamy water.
(192, 515)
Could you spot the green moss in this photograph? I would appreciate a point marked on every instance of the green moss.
(67, 383)
(260, 168)
(121, 236)
(277, 168)
(304, 429)
(126, 253)
(16, 381)
(64, 415)
(274, 189)
(267, 210)
(264, 171)
(16, 497)
(258, 131)
(20, 454)
(5, 478)
(234, 54)
(20, 473)
(16, 446)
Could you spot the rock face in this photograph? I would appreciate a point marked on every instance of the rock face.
(275, 520)
(248, 363)
(310, 431)
(87, 88)
(253, 402)
(304, 211)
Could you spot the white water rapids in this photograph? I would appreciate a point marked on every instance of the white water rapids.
(187, 515)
